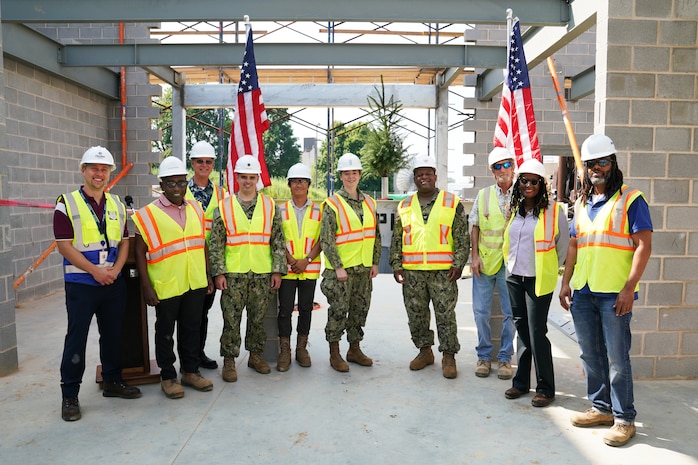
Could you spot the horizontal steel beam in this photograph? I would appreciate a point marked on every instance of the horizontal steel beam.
(532, 12)
(583, 84)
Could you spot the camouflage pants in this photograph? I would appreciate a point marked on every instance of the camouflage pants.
(418, 289)
(349, 302)
(255, 294)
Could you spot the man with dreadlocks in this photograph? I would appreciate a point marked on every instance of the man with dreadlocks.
(609, 249)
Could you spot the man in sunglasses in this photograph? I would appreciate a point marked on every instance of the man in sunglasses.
(203, 157)
(610, 245)
(488, 218)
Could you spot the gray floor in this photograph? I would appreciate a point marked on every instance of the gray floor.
(377, 415)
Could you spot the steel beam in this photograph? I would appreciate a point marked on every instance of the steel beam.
(583, 84)
(166, 74)
(535, 12)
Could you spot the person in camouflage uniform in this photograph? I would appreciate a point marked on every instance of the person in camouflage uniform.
(427, 255)
(350, 240)
(246, 288)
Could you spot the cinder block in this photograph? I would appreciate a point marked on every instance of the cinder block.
(675, 86)
(684, 113)
(632, 31)
(689, 343)
(664, 294)
(681, 218)
(686, 9)
(662, 343)
(644, 319)
(647, 164)
(652, 272)
(684, 60)
(652, 9)
(631, 138)
(677, 33)
(682, 166)
(677, 368)
(678, 319)
(648, 112)
(669, 243)
(680, 268)
(670, 191)
(643, 367)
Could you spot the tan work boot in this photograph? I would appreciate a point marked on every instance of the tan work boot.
(619, 435)
(283, 361)
(504, 370)
(172, 389)
(336, 360)
(424, 357)
(230, 375)
(258, 363)
(355, 355)
(302, 355)
(196, 381)
(591, 417)
(448, 365)
(482, 370)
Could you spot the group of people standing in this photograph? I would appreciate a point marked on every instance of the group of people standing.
(195, 239)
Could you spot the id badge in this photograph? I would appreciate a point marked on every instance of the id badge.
(103, 257)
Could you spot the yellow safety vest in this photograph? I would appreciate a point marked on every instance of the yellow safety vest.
(355, 241)
(216, 197)
(491, 224)
(248, 243)
(176, 257)
(605, 248)
(300, 247)
(428, 246)
(544, 235)
(87, 238)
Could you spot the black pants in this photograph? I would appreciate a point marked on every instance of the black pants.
(287, 299)
(208, 303)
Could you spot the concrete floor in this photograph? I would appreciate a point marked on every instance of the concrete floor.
(378, 415)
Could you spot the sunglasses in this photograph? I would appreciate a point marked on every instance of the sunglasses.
(173, 184)
(526, 181)
(602, 162)
(499, 166)
(298, 181)
(201, 161)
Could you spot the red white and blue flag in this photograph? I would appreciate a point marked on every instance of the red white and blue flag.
(516, 122)
(250, 120)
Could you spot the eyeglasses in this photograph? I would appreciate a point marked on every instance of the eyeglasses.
(298, 181)
(499, 166)
(173, 184)
(526, 181)
(602, 162)
(201, 161)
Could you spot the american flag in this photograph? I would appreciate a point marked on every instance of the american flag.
(250, 120)
(516, 122)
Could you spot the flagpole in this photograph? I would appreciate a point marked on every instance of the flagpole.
(248, 25)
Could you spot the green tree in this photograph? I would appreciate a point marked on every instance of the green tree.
(281, 149)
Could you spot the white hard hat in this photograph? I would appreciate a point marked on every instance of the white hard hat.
(248, 164)
(499, 154)
(423, 161)
(172, 166)
(532, 166)
(299, 170)
(348, 162)
(97, 155)
(202, 149)
(597, 146)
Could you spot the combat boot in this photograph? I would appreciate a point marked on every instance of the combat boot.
(283, 362)
(229, 373)
(258, 363)
(196, 381)
(302, 355)
(448, 365)
(355, 355)
(424, 358)
(336, 360)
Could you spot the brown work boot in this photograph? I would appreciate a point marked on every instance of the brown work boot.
(619, 435)
(504, 370)
(283, 361)
(258, 363)
(196, 381)
(424, 357)
(302, 355)
(482, 370)
(172, 389)
(230, 375)
(336, 360)
(355, 355)
(448, 365)
(591, 417)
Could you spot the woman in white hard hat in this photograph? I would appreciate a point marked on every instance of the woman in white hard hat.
(350, 240)
(535, 246)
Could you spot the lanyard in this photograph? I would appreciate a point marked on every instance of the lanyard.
(101, 225)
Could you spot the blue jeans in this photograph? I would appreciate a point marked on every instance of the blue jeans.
(483, 288)
(604, 340)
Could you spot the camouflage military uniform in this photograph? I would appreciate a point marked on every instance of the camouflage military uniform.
(420, 286)
(245, 290)
(349, 300)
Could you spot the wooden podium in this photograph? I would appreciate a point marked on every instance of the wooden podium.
(137, 368)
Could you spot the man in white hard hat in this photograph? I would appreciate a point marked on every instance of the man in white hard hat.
(89, 225)
(488, 217)
(203, 156)
(300, 221)
(247, 259)
(350, 240)
(172, 266)
(428, 251)
(610, 247)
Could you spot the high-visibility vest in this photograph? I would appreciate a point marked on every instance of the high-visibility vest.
(605, 247)
(355, 241)
(300, 247)
(428, 246)
(86, 235)
(176, 257)
(544, 234)
(216, 197)
(491, 224)
(248, 243)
